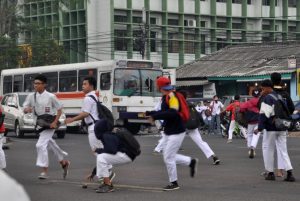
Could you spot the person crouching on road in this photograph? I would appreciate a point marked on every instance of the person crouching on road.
(39, 103)
(115, 151)
(174, 130)
(250, 108)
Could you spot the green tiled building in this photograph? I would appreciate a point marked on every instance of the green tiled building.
(173, 32)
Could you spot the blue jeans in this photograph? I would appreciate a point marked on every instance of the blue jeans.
(209, 125)
(216, 125)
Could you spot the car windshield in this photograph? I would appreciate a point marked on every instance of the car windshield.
(136, 82)
(22, 99)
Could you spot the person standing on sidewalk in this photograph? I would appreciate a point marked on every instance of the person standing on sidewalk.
(272, 136)
(39, 103)
(216, 107)
(251, 111)
(174, 130)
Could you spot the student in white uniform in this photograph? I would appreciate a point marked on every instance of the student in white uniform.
(90, 114)
(39, 103)
(216, 107)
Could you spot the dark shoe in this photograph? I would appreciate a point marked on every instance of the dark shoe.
(105, 189)
(270, 176)
(216, 160)
(251, 153)
(193, 167)
(66, 169)
(290, 177)
(171, 187)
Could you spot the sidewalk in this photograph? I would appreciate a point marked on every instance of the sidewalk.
(294, 134)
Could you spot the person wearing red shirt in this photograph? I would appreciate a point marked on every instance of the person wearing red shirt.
(232, 108)
(2, 155)
(250, 108)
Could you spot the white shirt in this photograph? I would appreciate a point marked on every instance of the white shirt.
(10, 190)
(44, 103)
(201, 110)
(216, 107)
(90, 106)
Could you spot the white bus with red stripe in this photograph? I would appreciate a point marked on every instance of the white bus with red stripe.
(127, 87)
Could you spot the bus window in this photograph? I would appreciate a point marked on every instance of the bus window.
(7, 84)
(149, 87)
(28, 82)
(86, 73)
(127, 82)
(68, 81)
(52, 80)
(105, 81)
(18, 83)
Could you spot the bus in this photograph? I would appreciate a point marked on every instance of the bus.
(126, 87)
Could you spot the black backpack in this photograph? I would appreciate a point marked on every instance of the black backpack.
(282, 119)
(130, 141)
(103, 113)
(194, 121)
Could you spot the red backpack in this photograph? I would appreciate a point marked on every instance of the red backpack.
(183, 106)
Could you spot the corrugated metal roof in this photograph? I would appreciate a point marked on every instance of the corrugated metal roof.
(245, 60)
(182, 83)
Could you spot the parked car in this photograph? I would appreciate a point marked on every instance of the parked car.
(19, 122)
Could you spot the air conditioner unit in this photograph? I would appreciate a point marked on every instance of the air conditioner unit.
(191, 23)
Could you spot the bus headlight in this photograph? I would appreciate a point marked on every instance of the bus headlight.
(122, 108)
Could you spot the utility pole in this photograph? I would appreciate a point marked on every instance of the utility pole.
(144, 30)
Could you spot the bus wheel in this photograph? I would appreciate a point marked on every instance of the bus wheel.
(134, 128)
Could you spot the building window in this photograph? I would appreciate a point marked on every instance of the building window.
(237, 1)
(203, 44)
(266, 27)
(152, 20)
(292, 3)
(292, 29)
(222, 1)
(268, 2)
(203, 23)
(221, 24)
(120, 40)
(138, 42)
(153, 41)
(221, 43)
(173, 44)
(173, 22)
(236, 25)
(189, 45)
(137, 19)
(249, 2)
(120, 18)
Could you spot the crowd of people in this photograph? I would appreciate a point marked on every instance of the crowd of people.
(109, 149)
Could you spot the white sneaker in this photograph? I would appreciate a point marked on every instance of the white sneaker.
(43, 175)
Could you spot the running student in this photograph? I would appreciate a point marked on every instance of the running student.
(250, 108)
(39, 103)
(174, 130)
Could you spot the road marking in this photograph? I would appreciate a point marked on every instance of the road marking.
(94, 184)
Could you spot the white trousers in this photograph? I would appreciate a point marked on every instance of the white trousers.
(278, 139)
(232, 127)
(161, 142)
(93, 141)
(44, 143)
(2, 155)
(196, 137)
(252, 139)
(106, 161)
(171, 158)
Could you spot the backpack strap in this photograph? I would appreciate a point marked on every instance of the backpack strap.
(279, 98)
(96, 105)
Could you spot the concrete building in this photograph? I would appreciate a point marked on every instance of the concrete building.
(173, 32)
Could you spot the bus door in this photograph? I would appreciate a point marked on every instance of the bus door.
(105, 88)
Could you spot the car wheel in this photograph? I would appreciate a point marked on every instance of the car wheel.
(18, 131)
(297, 126)
(60, 134)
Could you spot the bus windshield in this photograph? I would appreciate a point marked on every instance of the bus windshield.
(136, 82)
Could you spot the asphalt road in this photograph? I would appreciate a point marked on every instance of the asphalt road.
(236, 179)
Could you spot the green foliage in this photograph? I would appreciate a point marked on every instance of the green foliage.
(9, 53)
